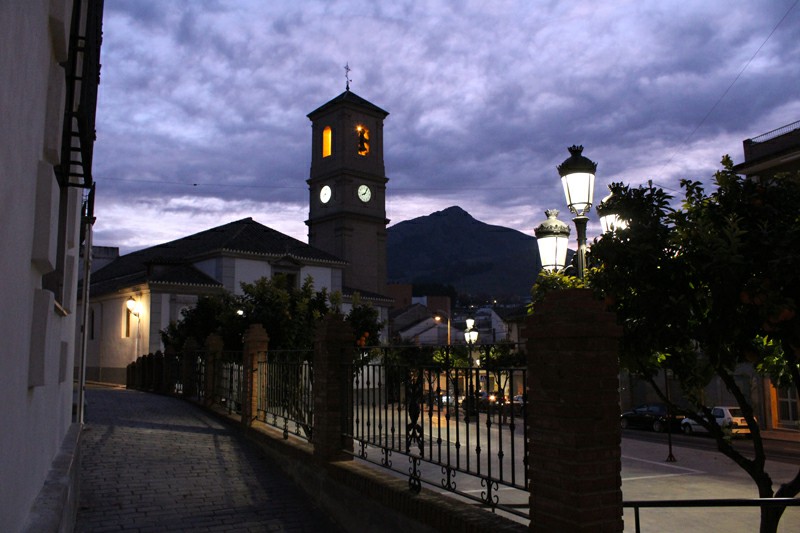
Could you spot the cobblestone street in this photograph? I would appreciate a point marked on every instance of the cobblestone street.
(154, 463)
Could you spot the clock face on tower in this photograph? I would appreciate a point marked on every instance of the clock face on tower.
(364, 194)
(325, 194)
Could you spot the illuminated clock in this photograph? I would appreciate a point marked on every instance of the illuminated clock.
(325, 194)
(364, 194)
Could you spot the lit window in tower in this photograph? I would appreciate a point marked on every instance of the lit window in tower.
(363, 140)
(326, 141)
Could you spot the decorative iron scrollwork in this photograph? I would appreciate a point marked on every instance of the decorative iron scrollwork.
(386, 459)
(489, 496)
(414, 479)
(449, 477)
(413, 410)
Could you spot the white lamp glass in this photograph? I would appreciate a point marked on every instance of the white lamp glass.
(579, 191)
(553, 252)
(612, 222)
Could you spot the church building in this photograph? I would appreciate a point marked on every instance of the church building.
(135, 296)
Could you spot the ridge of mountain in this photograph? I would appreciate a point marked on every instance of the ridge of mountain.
(453, 248)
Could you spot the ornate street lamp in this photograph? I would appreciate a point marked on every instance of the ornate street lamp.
(438, 318)
(609, 215)
(471, 337)
(577, 177)
(552, 237)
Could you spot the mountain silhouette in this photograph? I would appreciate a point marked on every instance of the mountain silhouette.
(453, 248)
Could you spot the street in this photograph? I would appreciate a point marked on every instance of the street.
(699, 472)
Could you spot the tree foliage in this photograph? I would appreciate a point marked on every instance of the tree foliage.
(705, 288)
(550, 281)
(289, 314)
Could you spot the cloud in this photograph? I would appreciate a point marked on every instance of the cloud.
(207, 102)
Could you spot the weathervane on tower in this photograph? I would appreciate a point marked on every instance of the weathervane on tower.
(347, 75)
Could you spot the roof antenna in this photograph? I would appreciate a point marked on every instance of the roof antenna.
(347, 75)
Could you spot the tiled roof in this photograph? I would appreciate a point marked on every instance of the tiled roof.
(348, 97)
(348, 292)
(171, 262)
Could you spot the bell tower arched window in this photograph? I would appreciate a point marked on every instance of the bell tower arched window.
(326, 141)
(363, 140)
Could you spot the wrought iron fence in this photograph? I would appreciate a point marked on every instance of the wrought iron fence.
(461, 428)
(228, 375)
(283, 388)
(181, 374)
(761, 503)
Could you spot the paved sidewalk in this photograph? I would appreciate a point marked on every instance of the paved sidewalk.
(154, 463)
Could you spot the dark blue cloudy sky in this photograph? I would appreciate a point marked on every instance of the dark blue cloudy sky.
(202, 108)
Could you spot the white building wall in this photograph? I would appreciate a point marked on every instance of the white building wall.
(37, 332)
(323, 278)
(210, 267)
(248, 271)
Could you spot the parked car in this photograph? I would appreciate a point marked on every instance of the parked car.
(650, 416)
(726, 416)
(518, 402)
(449, 400)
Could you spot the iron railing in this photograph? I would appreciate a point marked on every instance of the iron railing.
(283, 388)
(228, 376)
(457, 428)
(636, 505)
(461, 429)
(776, 132)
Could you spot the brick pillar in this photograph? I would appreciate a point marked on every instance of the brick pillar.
(189, 369)
(573, 415)
(256, 342)
(213, 348)
(334, 343)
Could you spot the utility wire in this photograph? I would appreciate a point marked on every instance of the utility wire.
(725, 93)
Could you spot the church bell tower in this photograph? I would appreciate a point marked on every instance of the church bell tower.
(347, 187)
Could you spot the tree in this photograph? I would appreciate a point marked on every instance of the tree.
(708, 288)
(288, 314)
(211, 314)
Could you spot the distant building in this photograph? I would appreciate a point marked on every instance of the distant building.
(771, 153)
(49, 70)
(491, 326)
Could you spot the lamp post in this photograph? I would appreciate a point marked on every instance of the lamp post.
(552, 237)
(438, 318)
(471, 337)
(577, 177)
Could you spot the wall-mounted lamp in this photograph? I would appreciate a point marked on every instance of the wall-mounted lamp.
(134, 307)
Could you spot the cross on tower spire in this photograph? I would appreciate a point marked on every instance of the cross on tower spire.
(347, 75)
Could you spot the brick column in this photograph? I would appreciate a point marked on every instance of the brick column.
(334, 343)
(256, 342)
(213, 348)
(573, 415)
(189, 369)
